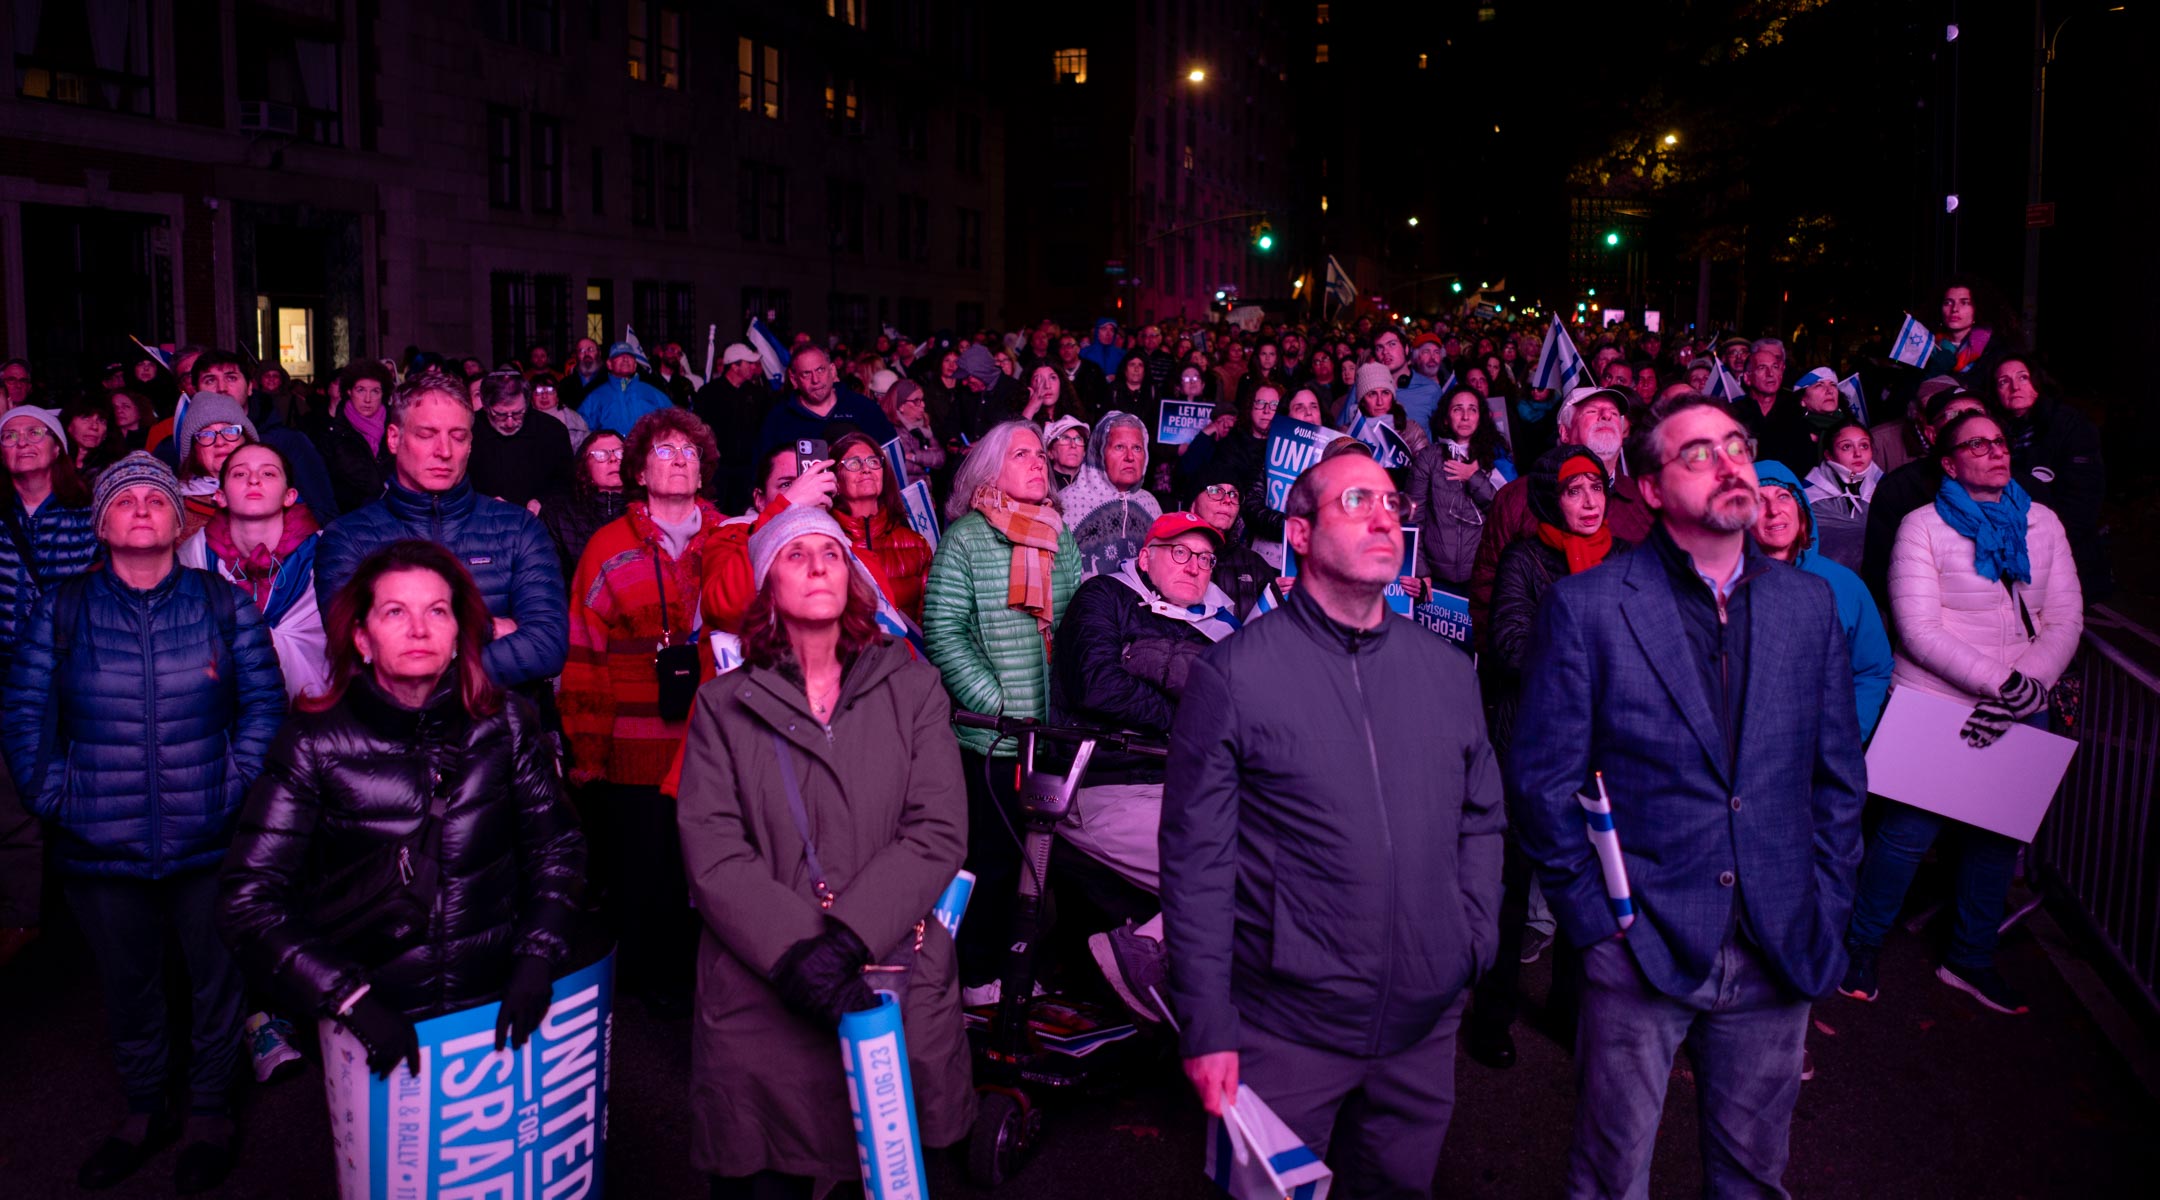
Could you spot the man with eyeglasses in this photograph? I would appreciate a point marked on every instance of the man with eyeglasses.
(616, 402)
(821, 408)
(1735, 798)
(1331, 850)
(1123, 651)
(516, 458)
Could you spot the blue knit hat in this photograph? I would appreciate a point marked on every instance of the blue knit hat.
(137, 468)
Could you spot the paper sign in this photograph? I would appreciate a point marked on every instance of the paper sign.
(1388, 447)
(1182, 421)
(1446, 614)
(1399, 600)
(1918, 758)
(1292, 446)
(528, 1123)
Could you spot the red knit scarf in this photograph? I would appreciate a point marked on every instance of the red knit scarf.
(1583, 550)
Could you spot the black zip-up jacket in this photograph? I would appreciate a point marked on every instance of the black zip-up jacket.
(1330, 835)
(340, 783)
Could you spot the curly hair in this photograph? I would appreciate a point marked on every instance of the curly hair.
(648, 430)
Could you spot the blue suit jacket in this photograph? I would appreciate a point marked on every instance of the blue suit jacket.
(1611, 685)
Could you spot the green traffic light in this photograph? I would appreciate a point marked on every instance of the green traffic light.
(1266, 242)
(1612, 239)
(1455, 286)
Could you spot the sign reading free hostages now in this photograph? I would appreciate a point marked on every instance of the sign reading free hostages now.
(528, 1123)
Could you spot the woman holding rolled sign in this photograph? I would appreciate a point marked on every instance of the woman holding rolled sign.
(406, 852)
(822, 813)
(1989, 611)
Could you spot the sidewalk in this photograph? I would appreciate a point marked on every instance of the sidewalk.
(1921, 1094)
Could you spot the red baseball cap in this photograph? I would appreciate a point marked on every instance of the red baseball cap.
(1177, 524)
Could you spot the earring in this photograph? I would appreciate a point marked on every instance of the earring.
(369, 659)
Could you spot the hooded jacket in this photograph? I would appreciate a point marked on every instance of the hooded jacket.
(616, 403)
(503, 546)
(1865, 636)
(1109, 525)
(343, 782)
(1331, 835)
(1840, 502)
(1106, 357)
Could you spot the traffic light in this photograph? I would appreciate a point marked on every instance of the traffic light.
(1612, 238)
(1263, 237)
(1455, 286)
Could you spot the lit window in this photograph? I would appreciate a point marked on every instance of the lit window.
(1422, 60)
(1320, 53)
(1320, 14)
(1070, 65)
(854, 12)
(1188, 158)
(757, 78)
(1323, 204)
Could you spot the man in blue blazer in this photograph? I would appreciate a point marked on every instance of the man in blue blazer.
(1712, 689)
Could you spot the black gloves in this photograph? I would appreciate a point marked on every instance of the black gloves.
(821, 977)
(387, 1033)
(1164, 662)
(1990, 720)
(524, 1001)
(2022, 696)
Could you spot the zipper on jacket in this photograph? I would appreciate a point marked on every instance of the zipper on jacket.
(157, 813)
(435, 517)
(1387, 843)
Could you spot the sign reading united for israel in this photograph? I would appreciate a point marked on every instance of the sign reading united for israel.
(1292, 446)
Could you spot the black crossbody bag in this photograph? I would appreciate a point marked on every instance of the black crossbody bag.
(676, 667)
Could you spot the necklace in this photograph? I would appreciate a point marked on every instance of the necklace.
(823, 708)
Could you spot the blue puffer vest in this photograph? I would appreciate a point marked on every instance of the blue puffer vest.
(138, 742)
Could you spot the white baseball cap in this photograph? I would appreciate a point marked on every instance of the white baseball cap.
(735, 353)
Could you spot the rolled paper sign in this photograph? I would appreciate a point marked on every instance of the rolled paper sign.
(952, 904)
(881, 1092)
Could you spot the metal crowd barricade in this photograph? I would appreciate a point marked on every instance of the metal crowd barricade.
(2100, 844)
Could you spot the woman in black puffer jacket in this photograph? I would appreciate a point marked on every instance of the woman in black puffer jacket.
(410, 741)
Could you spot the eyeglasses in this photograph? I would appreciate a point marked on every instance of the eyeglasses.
(1070, 435)
(1185, 554)
(21, 437)
(229, 433)
(1738, 449)
(1222, 491)
(666, 453)
(614, 455)
(1357, 502)
(1983, 447)
(863, 462)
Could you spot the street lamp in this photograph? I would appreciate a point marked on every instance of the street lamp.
(1672, 139)
(1413, 222)
(1197, 75)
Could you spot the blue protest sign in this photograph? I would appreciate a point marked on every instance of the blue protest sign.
(1388, 447)
(881, 1092)
(1182, 421)
(1399, 599)
(1292, 446)
(1448, 615)
(525, 1123)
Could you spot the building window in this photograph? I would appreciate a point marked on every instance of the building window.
(546, 165)
(648, 311)
(852, 12)
(656, 43)
(599, 182)
(968, 316)
(967, 251)
(1422, 61)
(967, 151)
(600, 310)
(1485, 13)
(526, 311)
(60, 57)
(847, 314)
(1319, 54)
(502, 135)
(671, 47)
(286, 75)
(914, 122)
(914, 228)
(844, 224)
(1320, 14)
(774, 306)
(843, 105)
(675, 186)
(757, 79)
(530, 23)
(640, 40)
(761, 203)
(641, 181)
(1188, 157)
(1069, 66)
(913, 316)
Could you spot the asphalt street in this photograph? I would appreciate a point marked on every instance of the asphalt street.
(1922, 1094)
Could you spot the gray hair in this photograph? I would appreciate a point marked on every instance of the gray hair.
(431, 382)
(984, 462)
(1761, 344)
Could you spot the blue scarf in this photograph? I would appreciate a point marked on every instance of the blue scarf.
(1997, 529)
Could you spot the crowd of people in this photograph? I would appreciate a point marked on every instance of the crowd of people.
(384, 693)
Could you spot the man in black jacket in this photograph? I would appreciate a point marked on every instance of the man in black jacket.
(733, 403)
(1331, 850)
(517, 459)
(1123, 651)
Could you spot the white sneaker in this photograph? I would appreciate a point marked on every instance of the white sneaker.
(989, 993)
(270, 1046)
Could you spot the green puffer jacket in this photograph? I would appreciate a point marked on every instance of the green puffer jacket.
(991, 654)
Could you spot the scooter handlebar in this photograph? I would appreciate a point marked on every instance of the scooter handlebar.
(1114, 739)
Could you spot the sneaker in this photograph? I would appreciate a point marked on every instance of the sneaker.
(270, 1046)
(1859, 981)
(989, 993)
(1534, 944)
(1985, 985)
(1136, 967)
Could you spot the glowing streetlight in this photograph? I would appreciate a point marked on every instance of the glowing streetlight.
(1196, 75)
(1413, 222)
(1672, 139)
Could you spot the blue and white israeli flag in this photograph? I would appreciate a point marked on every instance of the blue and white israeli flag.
(1723, 385)
(1854, 395)
(771, 354)
(1912, 343)
(1558, 364)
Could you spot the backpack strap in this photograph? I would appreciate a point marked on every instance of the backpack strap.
(67, 610)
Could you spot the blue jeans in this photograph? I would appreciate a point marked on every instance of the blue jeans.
(1985, 861)
(1745, 1033)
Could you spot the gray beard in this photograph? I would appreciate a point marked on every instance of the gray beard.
(1722, 522)
(1604, 445)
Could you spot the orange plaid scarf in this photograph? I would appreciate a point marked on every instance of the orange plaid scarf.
(1033, 530)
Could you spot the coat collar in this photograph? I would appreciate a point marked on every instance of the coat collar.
(452, 503)
(1332, 633)
(779, 703)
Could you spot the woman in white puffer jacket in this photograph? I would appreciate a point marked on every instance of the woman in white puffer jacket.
(1988, 613)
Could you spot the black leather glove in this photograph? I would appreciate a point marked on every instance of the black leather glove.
(2022, 696)
(524, 1002)
(821, 977)
(1990, 720)
(1164, 662)
(387, 1033)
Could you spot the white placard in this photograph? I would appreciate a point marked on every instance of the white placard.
(1919, 758)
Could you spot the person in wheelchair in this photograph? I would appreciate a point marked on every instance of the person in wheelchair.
(1120, 662)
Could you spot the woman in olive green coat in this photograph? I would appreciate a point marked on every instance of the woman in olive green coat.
(866, 732)
(1002, 576)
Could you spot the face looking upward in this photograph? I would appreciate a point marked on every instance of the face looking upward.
(410, 633)
(1183, 583)
(1706, 477)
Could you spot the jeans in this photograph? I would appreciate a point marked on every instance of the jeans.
(125, 922)
(1985, 863)
(1745, 1034)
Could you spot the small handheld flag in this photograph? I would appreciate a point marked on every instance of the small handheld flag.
(1339, 287)
(1854, 395)
(771, 354)
(1912, 343)
(1605, 839)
